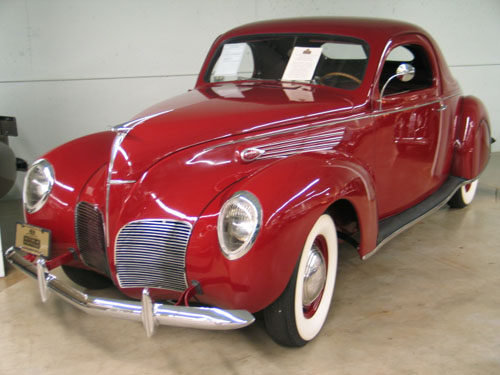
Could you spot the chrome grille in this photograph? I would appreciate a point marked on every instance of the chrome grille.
(89, 228)
(151, 253)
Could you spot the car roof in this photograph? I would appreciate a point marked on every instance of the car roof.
(368, 29)
(376, 32)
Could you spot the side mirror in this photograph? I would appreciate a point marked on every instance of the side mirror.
(405, 72)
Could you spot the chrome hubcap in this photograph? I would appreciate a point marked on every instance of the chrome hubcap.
(314, 276)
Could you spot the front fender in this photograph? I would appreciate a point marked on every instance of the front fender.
(74, 164)
(472, 139)
(293, 193)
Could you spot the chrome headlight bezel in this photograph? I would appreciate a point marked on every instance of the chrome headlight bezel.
(41, 173)
(248, 204)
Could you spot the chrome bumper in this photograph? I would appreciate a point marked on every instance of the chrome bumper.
(150, 313)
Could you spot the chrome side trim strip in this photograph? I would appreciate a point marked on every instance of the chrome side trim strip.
(325, 140)
(156, 314)
(322, 124)
(319, 136)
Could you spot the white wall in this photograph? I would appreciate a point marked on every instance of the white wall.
(72, 67)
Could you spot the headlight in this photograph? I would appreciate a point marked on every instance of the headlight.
(239, 223)
(38, 184)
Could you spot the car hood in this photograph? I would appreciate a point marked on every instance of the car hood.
(217, 112)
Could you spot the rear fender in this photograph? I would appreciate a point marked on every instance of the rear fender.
(472, 143)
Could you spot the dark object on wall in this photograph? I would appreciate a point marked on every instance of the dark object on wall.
(9, 164)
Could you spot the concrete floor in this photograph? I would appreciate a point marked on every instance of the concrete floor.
(427, 303)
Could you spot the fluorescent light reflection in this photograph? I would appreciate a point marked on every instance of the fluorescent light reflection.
(171, 211)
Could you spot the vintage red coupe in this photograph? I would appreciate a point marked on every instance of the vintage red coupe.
(231, 198)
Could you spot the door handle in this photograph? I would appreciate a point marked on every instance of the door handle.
(441, 108)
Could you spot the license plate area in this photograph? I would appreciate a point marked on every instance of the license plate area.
(33, 240)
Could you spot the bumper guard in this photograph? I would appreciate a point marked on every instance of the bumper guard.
(150, 313)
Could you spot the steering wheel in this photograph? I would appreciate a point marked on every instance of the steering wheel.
(341, 74)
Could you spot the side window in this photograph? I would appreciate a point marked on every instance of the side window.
(411, 54)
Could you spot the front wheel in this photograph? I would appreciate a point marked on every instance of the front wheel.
(464, 196)
(298, 315)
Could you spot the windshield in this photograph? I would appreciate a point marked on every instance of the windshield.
(328, 60)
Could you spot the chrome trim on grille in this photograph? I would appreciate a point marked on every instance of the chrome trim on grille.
(114, 151)
(89, 232)
(151, 254)
(121, 132)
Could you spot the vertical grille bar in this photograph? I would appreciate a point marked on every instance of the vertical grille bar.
(90, 236)
(151, 253)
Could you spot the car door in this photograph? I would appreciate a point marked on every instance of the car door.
(408, 126)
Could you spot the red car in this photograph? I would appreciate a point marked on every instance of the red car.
(231, 198)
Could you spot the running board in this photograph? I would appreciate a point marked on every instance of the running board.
(394, 225)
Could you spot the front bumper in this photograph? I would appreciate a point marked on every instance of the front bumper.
(150, 313)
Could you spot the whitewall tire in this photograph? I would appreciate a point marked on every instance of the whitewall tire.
(298, 315)
(464, 196)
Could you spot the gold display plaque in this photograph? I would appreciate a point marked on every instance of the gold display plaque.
(33, 240)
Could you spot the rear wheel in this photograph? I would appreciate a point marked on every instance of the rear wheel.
(298, 315)
(464, 196)
(87, 279)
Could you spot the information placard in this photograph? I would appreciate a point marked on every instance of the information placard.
(230, 59)
(302, 64)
